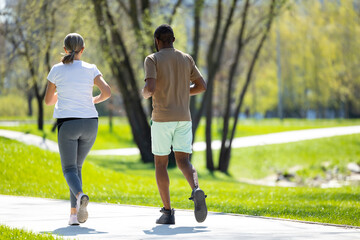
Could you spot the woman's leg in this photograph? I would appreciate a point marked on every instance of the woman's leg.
(68, 136)
(86, 141)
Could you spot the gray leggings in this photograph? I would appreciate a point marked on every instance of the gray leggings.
(75, 139)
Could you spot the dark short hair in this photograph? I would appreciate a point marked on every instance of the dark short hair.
(164, 33)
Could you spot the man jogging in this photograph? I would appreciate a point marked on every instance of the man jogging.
(171, 77)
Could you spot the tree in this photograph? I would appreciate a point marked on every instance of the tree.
(123, 66)
(226, 142)
(33, 27)
(319, 70)
(214, 61)
(118, 58)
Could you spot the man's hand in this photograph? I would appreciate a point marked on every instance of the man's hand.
(198, 87)
(149, 88)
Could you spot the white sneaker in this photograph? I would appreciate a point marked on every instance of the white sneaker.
(73, 220)
(81, 204)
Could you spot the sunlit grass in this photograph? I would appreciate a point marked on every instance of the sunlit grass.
(121, 135)
(310, 156)
(126, 180)
(8, 233)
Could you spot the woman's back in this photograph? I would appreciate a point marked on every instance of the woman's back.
(74, 85)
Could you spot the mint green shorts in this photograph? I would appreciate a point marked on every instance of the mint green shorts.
(167, 134)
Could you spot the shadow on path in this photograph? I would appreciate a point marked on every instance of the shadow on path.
(74, 231)
(167, 230)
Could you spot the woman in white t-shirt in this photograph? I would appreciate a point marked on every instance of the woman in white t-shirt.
(70, 88)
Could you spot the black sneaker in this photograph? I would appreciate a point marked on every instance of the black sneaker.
(167, 217)
(200, 211)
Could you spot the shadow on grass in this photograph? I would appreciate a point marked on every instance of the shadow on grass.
(167, 230)
(134, 164)
(121, 164)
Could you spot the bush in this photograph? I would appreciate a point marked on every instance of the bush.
(15, 105)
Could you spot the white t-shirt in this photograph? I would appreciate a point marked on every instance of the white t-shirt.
(74, 85)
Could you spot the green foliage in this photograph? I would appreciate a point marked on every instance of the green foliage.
(13, 105)
(8, 233)
(319, 70)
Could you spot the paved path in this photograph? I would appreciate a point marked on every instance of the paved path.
(30, 139)
(251, 141)
(114, 221)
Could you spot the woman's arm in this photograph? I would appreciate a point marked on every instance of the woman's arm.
(51, 94)
(104, 89)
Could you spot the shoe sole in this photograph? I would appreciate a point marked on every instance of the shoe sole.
(166, 223)
(82, 214)
(200, 205)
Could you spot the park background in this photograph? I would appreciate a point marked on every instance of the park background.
(270, 66)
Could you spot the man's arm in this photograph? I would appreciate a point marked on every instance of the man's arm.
(198, 87)
(149, 88)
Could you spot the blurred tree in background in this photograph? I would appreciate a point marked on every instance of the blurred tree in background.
(319, 62)
(269, 58)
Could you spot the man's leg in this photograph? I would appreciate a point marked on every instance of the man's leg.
(183, 163)
(162, 179)
(161, 138)
(182, 148)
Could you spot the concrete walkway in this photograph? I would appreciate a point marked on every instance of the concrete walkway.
(113, 221)
(251, 141)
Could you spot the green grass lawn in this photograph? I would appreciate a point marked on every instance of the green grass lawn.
(121, 136)
(8, 233)
(125, 180)
(310, 156)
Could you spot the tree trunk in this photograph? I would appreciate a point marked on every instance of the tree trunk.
(111, 114)
(40, 113)
(225, 161)
(29, 100)
(198, 6)
(140, 129)
(197, 117)
(120, 64)
(214, 58)
(209, 155)
(232, 71)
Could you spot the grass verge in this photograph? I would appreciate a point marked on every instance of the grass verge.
(127, 181)
(313, 158)
(8, 233)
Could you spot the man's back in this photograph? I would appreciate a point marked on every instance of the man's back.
(168, 75)
(173, 71)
